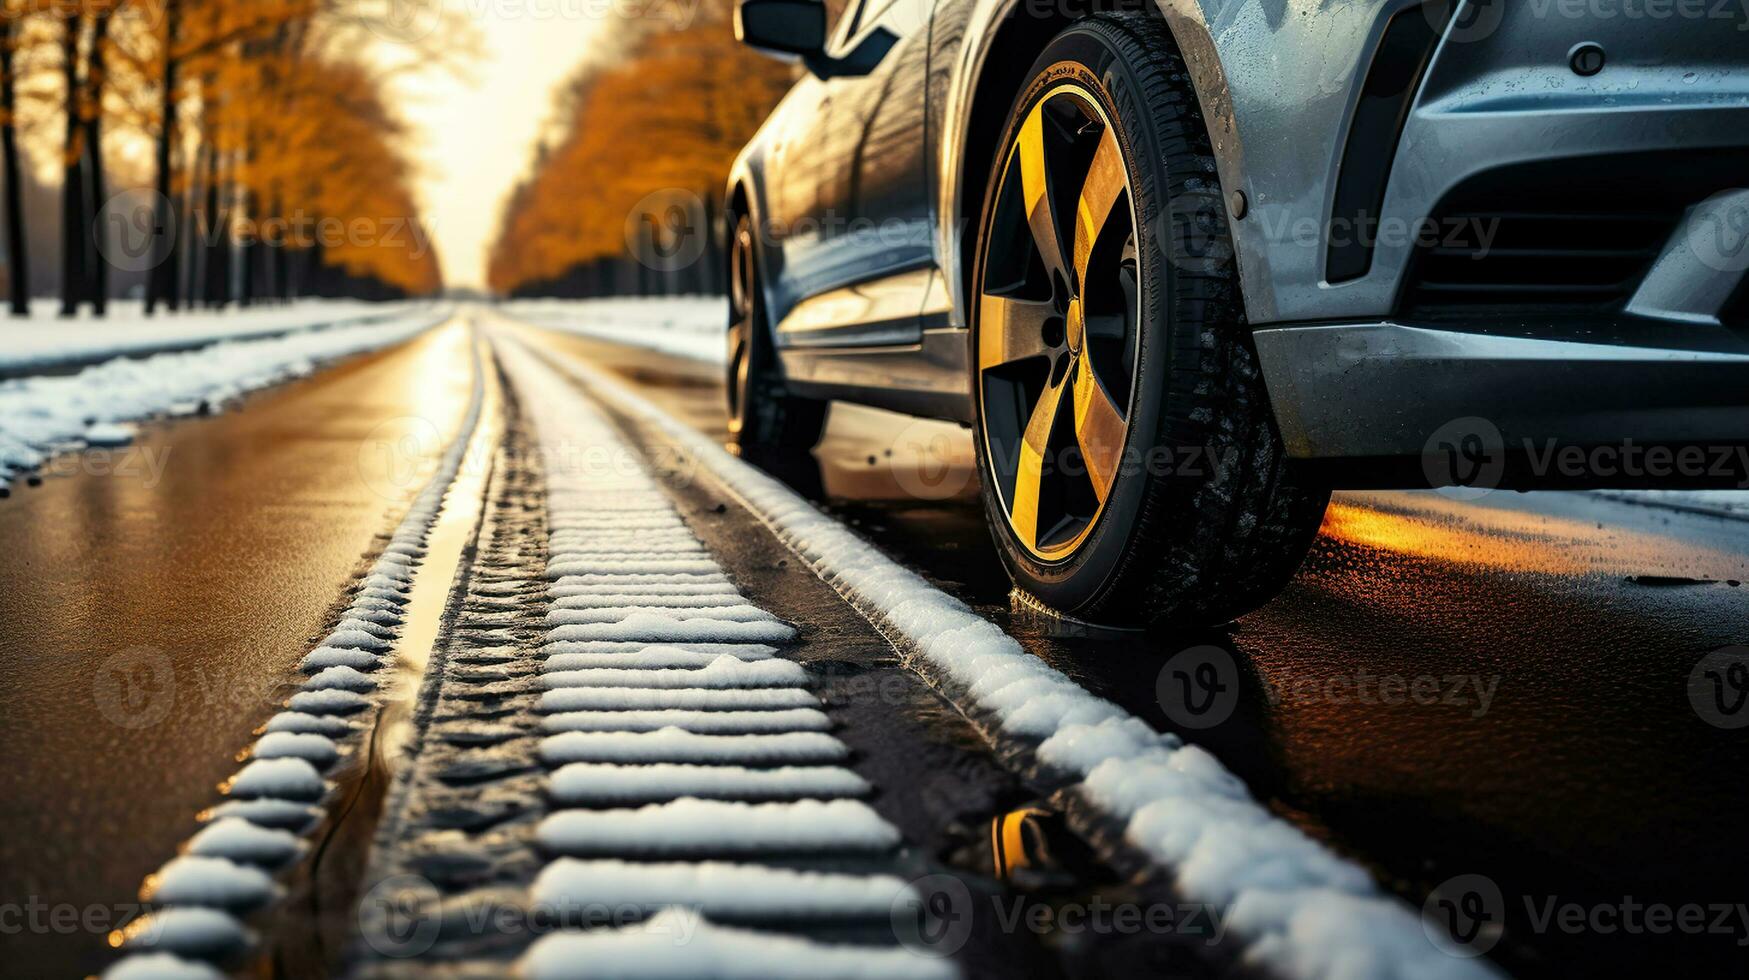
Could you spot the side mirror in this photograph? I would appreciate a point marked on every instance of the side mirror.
(789, 28)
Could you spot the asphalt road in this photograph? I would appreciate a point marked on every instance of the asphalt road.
(1449, 688)
(155, 602)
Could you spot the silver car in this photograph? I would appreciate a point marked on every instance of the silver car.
(1184, 266)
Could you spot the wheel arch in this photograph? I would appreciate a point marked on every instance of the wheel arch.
(744, 197)
(978, 108)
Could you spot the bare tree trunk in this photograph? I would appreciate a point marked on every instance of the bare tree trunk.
(94, 81)
(18, 259)
(199, 226)
(215, 277)
(73, 230)
(164, 282)
(249, 249)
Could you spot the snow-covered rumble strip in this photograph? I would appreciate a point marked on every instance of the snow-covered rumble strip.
(1302, 911)
(227, 869)
(692, 774)
(40, 416)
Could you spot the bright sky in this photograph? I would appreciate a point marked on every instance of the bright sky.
(474, 135)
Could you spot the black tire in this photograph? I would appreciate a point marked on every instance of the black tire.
(1208, 519)
(763, 416)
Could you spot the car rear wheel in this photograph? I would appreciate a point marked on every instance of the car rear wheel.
(1131, 467)
(762, 415)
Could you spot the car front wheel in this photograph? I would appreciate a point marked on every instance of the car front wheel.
(1131, 467)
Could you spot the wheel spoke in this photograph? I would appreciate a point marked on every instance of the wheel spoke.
(1099, 428)
(1010, 329)
(1041, 214)
(1106, 180)
(1029, 480)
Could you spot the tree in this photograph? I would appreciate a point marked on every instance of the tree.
(92, 111)
(73, 224)
(690, 99)
(11, 32)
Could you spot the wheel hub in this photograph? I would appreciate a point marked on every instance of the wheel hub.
(1058, 323)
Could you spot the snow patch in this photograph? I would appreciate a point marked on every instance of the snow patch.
(655, 657)
(289, 779)
(700, 722)
(593, 784)
(236, 839)
(188, 930)
(703, 699)
(719, 889)
(194, 880)
(677, 745)
(678, 943)
(723, 671)
(717, 827)
(656, 627)
(159, 966)
(684, 326)
(40, 415)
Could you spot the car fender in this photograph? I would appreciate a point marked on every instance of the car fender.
(960, 191)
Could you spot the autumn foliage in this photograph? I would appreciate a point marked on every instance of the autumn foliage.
(670, 112)
(262, 125)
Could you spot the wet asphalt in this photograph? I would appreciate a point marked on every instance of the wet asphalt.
(1495, 688)
(1450, 688)
(154, 603)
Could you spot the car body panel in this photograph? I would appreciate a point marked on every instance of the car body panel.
(1278, 83)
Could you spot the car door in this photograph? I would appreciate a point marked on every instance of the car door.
(861, 272)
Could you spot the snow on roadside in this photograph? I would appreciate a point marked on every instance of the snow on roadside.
(1729, 504)
(44, 341)
(684, 326)
(774, 796)
(40, 416)
(1303, 911)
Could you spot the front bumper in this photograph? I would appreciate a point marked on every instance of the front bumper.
(1558, 405)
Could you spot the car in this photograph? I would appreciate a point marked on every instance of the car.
(1185, 267)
